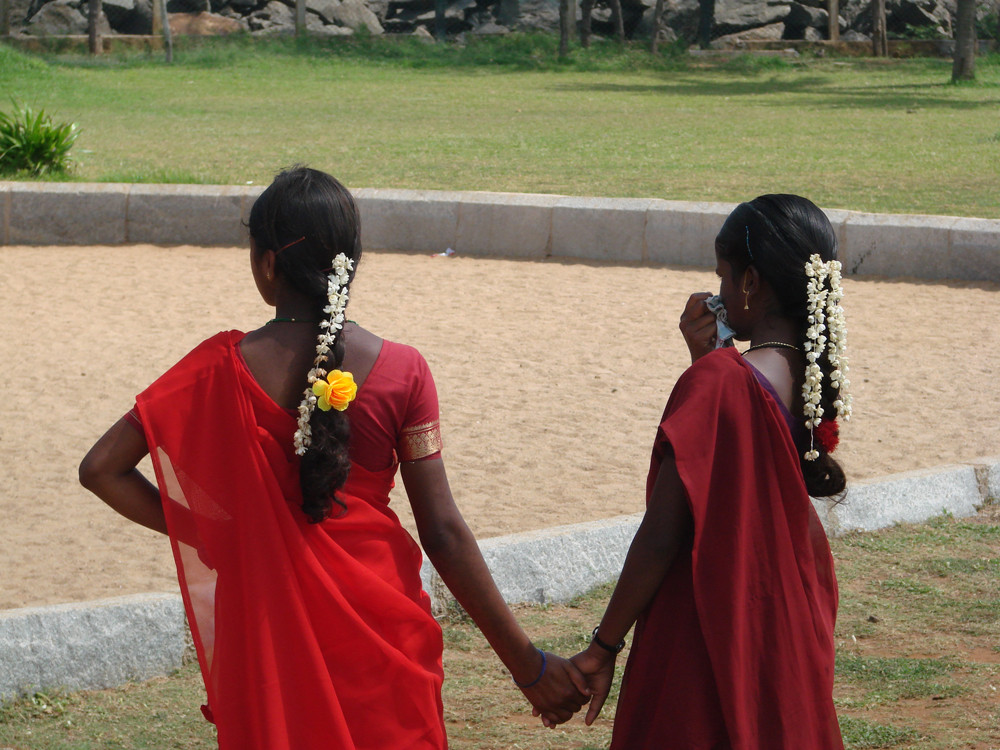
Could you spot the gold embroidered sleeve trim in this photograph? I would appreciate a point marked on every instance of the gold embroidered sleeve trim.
(420, 441)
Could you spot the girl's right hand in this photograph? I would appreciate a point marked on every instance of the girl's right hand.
(698, 326)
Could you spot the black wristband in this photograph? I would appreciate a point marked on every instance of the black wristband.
(616, 649)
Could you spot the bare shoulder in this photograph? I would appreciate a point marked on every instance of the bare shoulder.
(782, 370)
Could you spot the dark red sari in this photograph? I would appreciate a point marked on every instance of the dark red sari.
(736, 649)
(308, 635)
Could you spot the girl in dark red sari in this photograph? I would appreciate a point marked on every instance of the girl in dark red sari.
(729, 578)
(274, 454)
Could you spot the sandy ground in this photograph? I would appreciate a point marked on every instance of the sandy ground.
(552, 378)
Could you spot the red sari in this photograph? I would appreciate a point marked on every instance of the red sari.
(308, 635)
(736, 649)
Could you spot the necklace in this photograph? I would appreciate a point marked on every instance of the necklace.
(290, 320)
(773, 345)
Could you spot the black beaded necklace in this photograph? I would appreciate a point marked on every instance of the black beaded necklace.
(290, 320)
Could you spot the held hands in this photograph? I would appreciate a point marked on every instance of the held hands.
(698, 325)
(559, 693)
(598, 666)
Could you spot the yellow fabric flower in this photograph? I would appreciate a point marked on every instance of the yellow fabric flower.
(336, 392)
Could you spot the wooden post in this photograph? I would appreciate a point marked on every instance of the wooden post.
(833, 31)
(168, 37)
(300, 18)
(566, 20)
(509, 12)
(616, 15)
(157, 18)
(654, 44)
(94, 42)
(586, 21)
(880, 42)
(440, 6)
(706, 20)
(964, 66)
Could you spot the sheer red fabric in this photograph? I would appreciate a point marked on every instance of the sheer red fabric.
(308, 635)
(736, 650)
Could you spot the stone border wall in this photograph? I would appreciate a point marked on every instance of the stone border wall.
(479, 223)
(105, 643)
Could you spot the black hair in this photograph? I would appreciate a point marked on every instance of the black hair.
(308, 218)
(777, 234)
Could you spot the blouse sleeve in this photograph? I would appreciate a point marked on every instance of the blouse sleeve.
(420, 436)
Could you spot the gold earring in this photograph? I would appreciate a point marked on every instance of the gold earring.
(746, 301)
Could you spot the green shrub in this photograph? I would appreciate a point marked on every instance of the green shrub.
(30, 142)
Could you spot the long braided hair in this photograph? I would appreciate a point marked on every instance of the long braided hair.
(777, 234)
(308, 218)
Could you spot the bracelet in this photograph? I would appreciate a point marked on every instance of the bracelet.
(616, 649)
(526, 685)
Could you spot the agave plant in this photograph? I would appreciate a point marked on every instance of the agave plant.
(30, 142)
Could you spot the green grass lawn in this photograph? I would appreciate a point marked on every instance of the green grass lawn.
(918, 662)
(891, 136)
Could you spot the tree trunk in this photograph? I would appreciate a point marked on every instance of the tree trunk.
(654, 45)
(94, 42)
(509, 11)
(157, 28)
(4, 17)
(586, 8)
(833, 29)
(616, 14)
(706, 19)
(880, 43)
(566, 20)
(964, 66)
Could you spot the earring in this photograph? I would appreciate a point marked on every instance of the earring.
(746, 301)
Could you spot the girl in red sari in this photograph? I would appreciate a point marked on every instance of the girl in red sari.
(274, 454)
(729, 579)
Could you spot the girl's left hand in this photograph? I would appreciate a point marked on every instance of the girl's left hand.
(560, 693)
(598, 666)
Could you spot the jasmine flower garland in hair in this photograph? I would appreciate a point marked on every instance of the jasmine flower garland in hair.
(837, 349)
(337, 296)
(825, 315)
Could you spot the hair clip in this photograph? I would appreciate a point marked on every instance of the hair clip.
(293, 242)
(749, 251)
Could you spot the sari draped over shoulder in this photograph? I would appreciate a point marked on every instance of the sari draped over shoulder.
(736, 649)
(308, 635)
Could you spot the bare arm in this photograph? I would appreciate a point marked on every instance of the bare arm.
(109, 471)
(452, 549)
(665, 528)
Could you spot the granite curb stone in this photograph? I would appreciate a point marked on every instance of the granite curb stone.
(186, 215)
(67, 213)
(508, 224)
(4, 213)
(608, 229)
(105, 643)
(91, 645)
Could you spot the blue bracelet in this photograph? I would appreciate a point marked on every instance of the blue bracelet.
(526, 685)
